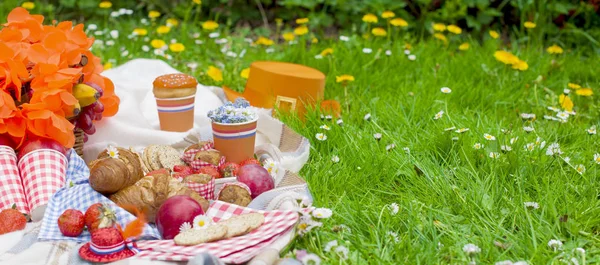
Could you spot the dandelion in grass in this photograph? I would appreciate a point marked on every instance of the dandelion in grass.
(494, 34)
(398, 22)
(394, 236)
(215, 73)
(520, 65)
(344, 38)
(387, 14)
(464, 46)
(554, 49)
(198, 2)
(263, 41)
(412, 57)
(157, 44)
(301, 21)
(369, 18)
(210, 25)
(311, 259)
(322, 213)
(367, 50)
(553, 149)
(580, 169)
(573, 86)
(377, 136)
(462, 130)
(105, 4)
(330, 245)
(153, 14)
(446, 90)
(506, 57)
(529, 25)
(441, 37)
(342, 251)
(489, 137)
(506, 148)
(478, 146)
(597, 158)
(393, 208)
(555, 244)
(586, 92)
(326, 52)
(335, 159)
(454, 29)
(494, 155)
(379, 32)
(439, 27)
(438, 115)
(529, 147)
(163, 30)
(325, 127)
(321, 136)
(302, 30)
(288, 36)
(172, 22)
(140, 32)
(176, 47)
(471, 249)
(390, 147)
(528, 129)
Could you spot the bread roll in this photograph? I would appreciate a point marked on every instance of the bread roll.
(210, 156)
(109, 175)
(174, 86)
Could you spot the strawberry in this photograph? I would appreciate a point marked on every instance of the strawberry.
(250, 161)
(183, 170)
(229, 169)
(210, 170)
(158, 171)
(11, 220)
(99, 216)
(71, 222)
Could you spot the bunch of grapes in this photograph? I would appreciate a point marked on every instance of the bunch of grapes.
(89, 114)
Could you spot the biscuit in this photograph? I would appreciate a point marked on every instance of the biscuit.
(199, 236)
(242, 224)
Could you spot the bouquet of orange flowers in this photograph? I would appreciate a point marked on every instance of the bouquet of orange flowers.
(50, 82)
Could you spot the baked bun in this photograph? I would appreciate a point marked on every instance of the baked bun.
(174, 86)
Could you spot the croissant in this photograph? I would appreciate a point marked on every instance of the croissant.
(109, 175)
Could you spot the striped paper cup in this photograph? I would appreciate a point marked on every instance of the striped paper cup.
(43, 173)
(176, 114)
(235, 141)
(11, 186)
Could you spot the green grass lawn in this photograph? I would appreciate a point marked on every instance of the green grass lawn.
(424, 200)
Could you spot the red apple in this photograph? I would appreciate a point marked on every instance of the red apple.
(257, 178)
(6, 140)
(40, 143)
(174, 212)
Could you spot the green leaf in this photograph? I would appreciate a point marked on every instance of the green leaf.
(68, 3)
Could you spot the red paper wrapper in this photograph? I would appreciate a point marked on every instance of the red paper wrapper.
(189, 155)
(43, 172)
(11, 187)
(205, 190)
(239, 184)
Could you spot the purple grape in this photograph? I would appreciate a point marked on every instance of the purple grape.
(97, 116)
(85, 121)
(90, 130)
(88, 110)
(97, 87)
(98, 107)
(85, 138)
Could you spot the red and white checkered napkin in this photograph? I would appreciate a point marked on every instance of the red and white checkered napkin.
(205, 190)
(43, 172)
(11, 187)
(235, 250)
(189, 155)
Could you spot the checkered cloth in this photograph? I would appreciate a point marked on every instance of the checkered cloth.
(189, 155)
(235, 250)
(78, 194)
(11, 187)
(43, 173)
(205, 190)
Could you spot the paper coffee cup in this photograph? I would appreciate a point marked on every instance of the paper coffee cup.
(235, 141)
(11, 186)
(176, 114)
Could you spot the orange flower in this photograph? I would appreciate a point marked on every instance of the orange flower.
(29, 25)
(11, 71)
(47, 124)
(11, 120)
(58, 101)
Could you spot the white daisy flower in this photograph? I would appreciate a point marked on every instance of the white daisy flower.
(478, 146)
(98, 33)
(406, 150)
(306, 224)
(394, 208)
(186, 226)
(438, 115)
(389, 147)
(394, 236)
(335, 159)
(554, 109)
(322, 213)
(112, 151)
(412, 57)
(554, 244)
(110, 42)
(192, 65)
(124, 53)
(592, 130)
(114, 33)
(311, 259)
(446, 90)
(328, 117)
(504, 262)
(344, 38)
(514, 140)
(199, 42)
(489, 137)
(214, 35)
(462, 130)
(597, 158)
(580, 250)
(563, 115)
(377, 136)
(339, 122)
(145, 48)
(202, 222)
(342, 251)
(527, 116)
(321, 136)
(506, 148)
(529, 147)
(144, 21)
(538, 141)
(521, 262)
(270, 50)
(114, 14)
(98, 42)
(450, 129)
(367, 117)
(367, 50)
(318, 57)
(388, 53)
(566, 91)
(494, 155)
(528, 129)
(471, 249)
(407, 52)
(242, 53)
(580, 169)
(272, 166)
(553, 149)
(330, 245)
(231, 54)
(532, 205)
(455, 138)
(567, 159)
(92, 27)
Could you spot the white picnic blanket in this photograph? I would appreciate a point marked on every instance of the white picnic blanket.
(136, 125)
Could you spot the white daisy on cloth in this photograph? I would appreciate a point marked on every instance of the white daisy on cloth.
(202, 222)
(112, 152)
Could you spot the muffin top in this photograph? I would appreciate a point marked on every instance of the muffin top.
(175, 81)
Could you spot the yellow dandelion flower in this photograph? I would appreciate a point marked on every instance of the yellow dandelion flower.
(398, 22)
(107, 66)
(302, 30)
(210, 25)
(289, 36)
(441, 37)
(520, 65)
(573, 86)
(584, 92)
(245, 73)
(176, 47)
(198, 2)
(264, 41)
(454, 29)
(31, 5)
(439, 27)
(215, 73)
(494, 34)
(314, 40)
(172, 22)
(407, 46)
(529, 25)
(388, 14)
(140, 32)
(506, 57)
(344, 78)
(301, 21)
(163, 29)
(554, 49)
(565, 102)
(379, 32)
(326, 52)
(157, 44)
(153, 14)
(463, 47)
(105, 4)
(370, 18)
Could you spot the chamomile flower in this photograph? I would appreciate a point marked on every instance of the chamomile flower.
(597, 158)
(462, 130)
(325, 127)
(202, 222)
(322, 213)
(527, 116)
(580, 169)
(529, 147)
(455, 138)
(406, 150)
(554, 244)
(367, 117)
(489, 137)
(271, 166)
(394, 208)
(504, 262)
(112, 152)
(532, 205)
(412, 57)
(328, 117)
(471, 249)
(388, 53)
(591, 130)
(377, 136)
(540, 142)
(514, 140)
(494, 155)
(506, 148)
(344, 38)
(563, 115)
(330, 245)
(567, 159)
(394, 236)
(339, 122)
(367, 50)
(335, 159)
(528, 129)
(311, 259)
(580, 250)
(389, 147)
(553, 149)
(321, 136)
(450, 129)
(478, 146)
(114, 33)
(342, 251)
(438, 115)
(446, 90)
(407, 52)
(306, 224)
(186, 226)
